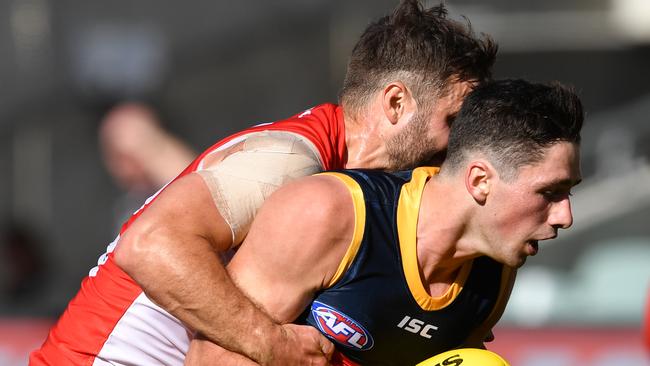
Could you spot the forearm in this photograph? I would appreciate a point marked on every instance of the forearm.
(190, 282)
(171, 251)
(205, 353)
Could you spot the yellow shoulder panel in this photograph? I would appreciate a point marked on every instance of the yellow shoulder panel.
(359, 225)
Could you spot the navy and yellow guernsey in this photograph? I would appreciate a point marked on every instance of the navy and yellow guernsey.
(376, 309)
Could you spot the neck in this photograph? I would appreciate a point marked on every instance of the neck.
(442, 235)
(365, 142)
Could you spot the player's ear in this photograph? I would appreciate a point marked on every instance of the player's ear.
(478, 179)
(397, 101)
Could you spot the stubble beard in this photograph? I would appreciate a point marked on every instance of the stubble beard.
(413, 146)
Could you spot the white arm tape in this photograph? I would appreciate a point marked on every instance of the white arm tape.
(243, 180)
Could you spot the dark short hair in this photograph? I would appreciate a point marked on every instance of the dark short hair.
(512, 122)
(421, 47)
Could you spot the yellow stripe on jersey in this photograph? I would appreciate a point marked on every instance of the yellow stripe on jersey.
(359, 225)
(408, 209)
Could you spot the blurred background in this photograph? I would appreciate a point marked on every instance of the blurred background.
(197, 71)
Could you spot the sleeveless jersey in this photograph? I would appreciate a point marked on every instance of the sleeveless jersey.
(378, 312)
(111, 321)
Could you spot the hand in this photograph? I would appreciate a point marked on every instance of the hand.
(302, 345)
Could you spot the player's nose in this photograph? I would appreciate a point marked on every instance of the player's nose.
(560, 215)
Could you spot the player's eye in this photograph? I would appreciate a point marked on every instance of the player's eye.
(556, 195)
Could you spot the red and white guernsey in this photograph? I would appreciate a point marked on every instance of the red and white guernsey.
(111, 322)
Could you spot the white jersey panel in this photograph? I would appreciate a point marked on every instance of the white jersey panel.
(146, 335)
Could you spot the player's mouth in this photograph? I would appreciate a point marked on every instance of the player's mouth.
(532, 246)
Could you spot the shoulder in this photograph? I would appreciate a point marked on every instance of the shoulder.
(318, 195)
(275, 145)
(315, 211)
(372, 185)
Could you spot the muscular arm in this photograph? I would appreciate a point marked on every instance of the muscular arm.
(295, 245)
(293, 249)
(171, 250)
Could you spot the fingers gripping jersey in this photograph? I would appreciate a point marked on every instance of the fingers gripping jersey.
(111, 321)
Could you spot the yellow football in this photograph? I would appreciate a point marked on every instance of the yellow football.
(465, 357)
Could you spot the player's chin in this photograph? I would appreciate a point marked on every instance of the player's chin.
(514, 258)
(517, 260)
(521, 262)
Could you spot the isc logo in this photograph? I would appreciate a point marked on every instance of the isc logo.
(416, 326)
(340, 327)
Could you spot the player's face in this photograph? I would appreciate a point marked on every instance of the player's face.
(534, 205)
(427, 133)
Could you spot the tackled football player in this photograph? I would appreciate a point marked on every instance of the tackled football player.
(395, 268)
(161, 280)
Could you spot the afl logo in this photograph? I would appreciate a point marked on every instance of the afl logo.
(340, 327)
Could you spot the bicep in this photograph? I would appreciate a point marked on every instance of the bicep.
(181, 214)
(295, 245)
